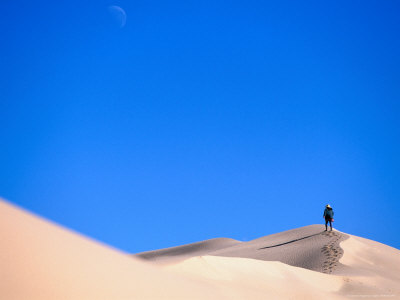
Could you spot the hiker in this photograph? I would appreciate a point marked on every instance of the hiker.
(328, 216)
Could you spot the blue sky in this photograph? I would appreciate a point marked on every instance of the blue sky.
(201, 119)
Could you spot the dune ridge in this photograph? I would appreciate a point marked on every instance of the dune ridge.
(42, 260)
(309, 247)
(187, 251)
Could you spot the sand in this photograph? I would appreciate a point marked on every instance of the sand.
(42, 260)
(309, 247)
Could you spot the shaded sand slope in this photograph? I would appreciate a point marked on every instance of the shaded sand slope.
(308, 247)
(186, 251)
(361, 268)
(40, 260)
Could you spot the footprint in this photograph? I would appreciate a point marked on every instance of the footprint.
(332, 252)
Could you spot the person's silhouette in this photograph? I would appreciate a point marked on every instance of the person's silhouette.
(328, 216)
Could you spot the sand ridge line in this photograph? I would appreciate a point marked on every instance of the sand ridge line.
(292, 241)
(332, 251)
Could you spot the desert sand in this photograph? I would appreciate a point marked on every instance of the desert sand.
(42, 260)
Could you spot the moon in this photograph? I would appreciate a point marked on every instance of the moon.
(118, 15)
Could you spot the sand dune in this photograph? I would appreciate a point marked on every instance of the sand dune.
(179, 253)
(300, 247)
(372, 269)
(40, 260)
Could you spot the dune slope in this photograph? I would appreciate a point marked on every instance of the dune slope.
(183, 252)
(309, 247)
(41, 260)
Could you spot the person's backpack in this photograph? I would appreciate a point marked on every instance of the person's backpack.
(329, 213)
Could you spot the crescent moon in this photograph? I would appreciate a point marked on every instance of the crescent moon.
(118, 14)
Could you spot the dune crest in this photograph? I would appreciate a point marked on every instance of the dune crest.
(309, 247)
(41, 260)
(179, 253)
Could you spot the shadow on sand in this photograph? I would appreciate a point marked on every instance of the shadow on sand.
(292, 241)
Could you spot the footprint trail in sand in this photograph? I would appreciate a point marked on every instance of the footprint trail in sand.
(332, 250)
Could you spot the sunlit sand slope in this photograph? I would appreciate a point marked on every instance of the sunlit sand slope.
(40, 260)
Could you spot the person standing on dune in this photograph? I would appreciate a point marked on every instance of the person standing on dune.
(328, 216)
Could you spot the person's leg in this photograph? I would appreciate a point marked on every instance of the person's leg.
(330, 223)
(326, 224)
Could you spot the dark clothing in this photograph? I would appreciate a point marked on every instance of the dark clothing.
(326, 223)
(328, 213)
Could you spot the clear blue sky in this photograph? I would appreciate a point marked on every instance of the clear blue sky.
(201, 119)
